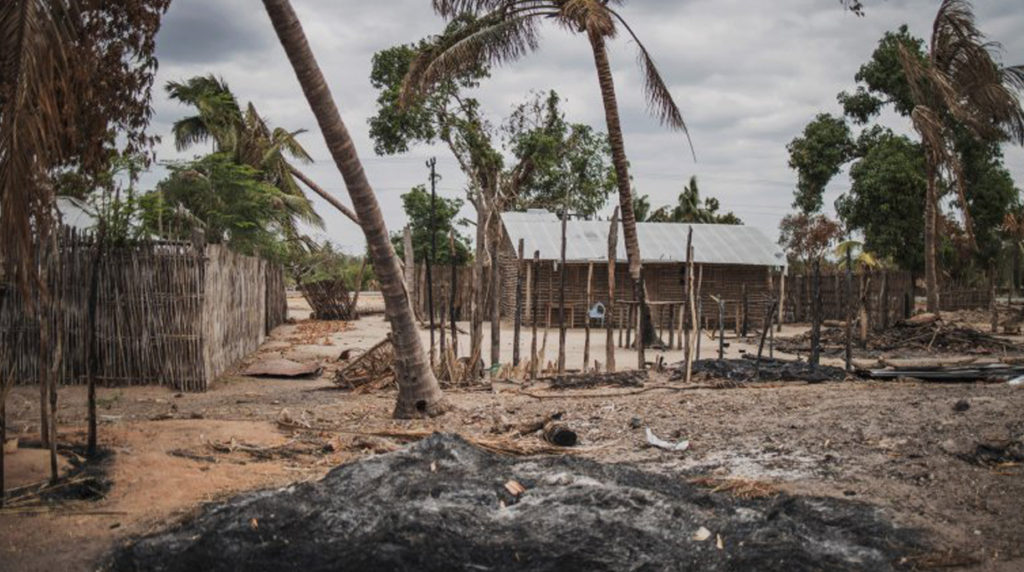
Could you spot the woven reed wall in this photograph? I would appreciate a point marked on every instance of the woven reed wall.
(167, 314)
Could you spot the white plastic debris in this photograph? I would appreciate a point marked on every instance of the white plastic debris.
(702, 534)
(662, 444)
(1017, 381)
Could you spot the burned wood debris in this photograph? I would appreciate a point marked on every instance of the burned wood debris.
(746, 370)
(915, 335)
(631, 378)
(372, 369)
(990, 372)
(404, 522)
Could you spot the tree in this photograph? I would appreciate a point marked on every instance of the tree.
(418, 391)
(690, 208)
(416, 204)
(49, 50)
(961, 83)
(505, 30)
(244, 136)
(231, 203)
(817, 157)
(560, 159)
(888, 184)
(807, 237)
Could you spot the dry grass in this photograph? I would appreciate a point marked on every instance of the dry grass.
(738, 487)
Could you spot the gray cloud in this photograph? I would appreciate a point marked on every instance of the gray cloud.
(747, 75)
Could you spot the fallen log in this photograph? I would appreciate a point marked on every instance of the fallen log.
(630, 378)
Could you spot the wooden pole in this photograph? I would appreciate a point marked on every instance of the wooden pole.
(721, 328)
(693, 308)
(745, 310)
(687, 315)
(586, 332)
(816, 315)
(700, 308)
(495, 299)
(432, 162)
(534, 307)
(454, 288)
(519, 305)
(613, 240)
(884, 300)
(849, 309)
(764, 333)
(561, 296)
(782, 299)
(440, 326)
(3, 439)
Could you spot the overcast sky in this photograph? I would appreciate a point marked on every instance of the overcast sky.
(747, 74)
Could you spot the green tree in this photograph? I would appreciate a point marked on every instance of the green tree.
(231, 203)
(688, 208)
(888, 186)
(817, 156)
(807, 237)
(416, 204)
(559, 159)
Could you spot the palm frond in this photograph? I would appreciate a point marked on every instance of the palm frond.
(494, 39)
(35, 62)
(290, 144)
(659, 98)
(189, 131)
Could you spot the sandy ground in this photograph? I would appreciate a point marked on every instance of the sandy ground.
(899, 446)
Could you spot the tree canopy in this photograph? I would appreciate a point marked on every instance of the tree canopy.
(416, 204)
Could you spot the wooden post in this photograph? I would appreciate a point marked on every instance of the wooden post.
(816, 314)
(700, 308)
(849, 309)
(495, 300)
(519, 305)
(3, 440)
(440, 323)
(863, 310)
(884, 299)
(993, 307)
(671, 326)
(693, 307)
(782, 299)
(533, 319)
(561, 298)
(745, 309)
(771, 332)
(721, 328)
(629, 326)
(760, 347)
(586, 334)
(688, 293)
(613, 240)
(454, 288)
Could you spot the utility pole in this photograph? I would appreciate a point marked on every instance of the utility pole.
(432, 163)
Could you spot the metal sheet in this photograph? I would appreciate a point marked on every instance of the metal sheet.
(587, 241)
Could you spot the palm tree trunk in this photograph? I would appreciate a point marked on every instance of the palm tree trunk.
(611, 114)
(931, 281)
(418, 391)
(324, 194)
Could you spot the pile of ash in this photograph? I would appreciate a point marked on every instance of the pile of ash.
(443, 504)
(745, 370)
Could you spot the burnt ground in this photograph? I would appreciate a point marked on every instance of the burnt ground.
(443, 504)
(907, 449)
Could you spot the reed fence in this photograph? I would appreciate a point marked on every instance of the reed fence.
(173, 314)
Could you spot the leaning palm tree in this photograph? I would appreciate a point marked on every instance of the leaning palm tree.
(419, 393)
(246, 135)
(959, 83)
(505, 30)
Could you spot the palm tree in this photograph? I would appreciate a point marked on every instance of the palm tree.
(960, 83)
(418, 391)
(249, 139)
(504, 30)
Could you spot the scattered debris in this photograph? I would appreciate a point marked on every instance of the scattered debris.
(404, 521)
(630, 378)
(738, 487)
(992, 372)
(996, 452)
(745, 369)
(283, 368)
(514, 488)
(922, 333)
(662, 444)
(373, 369)
(961, 406)
(702, 534)
(11, 446)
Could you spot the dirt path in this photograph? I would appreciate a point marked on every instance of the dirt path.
(900, 446)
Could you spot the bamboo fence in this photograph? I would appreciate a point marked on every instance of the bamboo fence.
(173, 314)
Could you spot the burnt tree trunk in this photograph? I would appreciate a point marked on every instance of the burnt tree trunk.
(519, 305)
(609, 315)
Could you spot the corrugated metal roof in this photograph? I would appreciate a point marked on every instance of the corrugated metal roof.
(587, 241)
